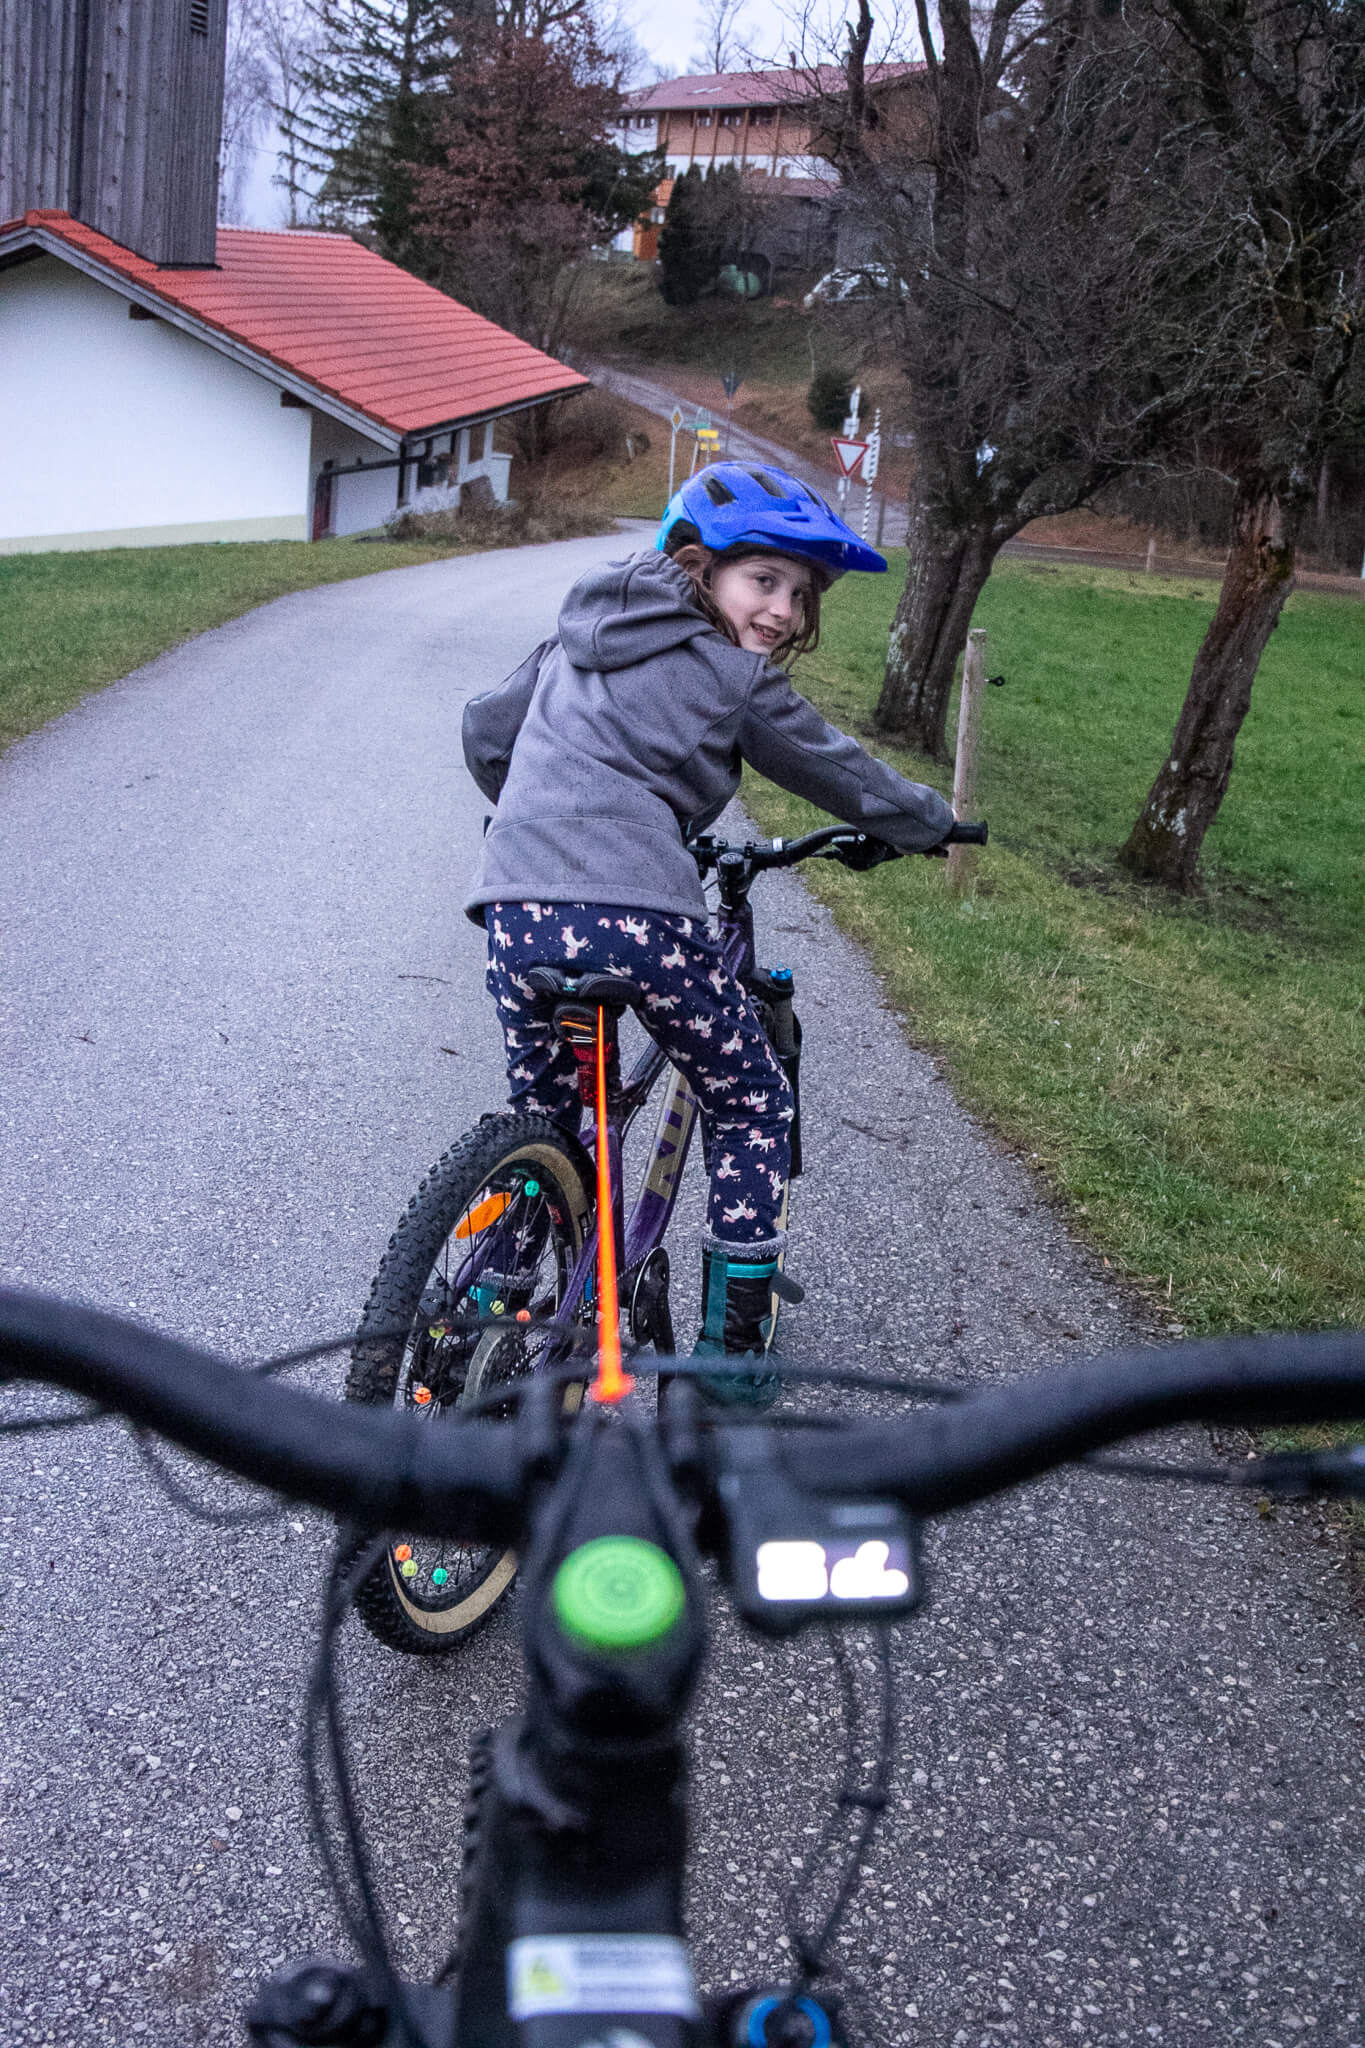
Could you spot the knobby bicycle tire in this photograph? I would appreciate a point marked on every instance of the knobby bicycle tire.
(516, 1194)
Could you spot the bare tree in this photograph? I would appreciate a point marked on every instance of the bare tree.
(1048, 290)
(246, 101)
(1277, 90)
(289, 39)
(720, 48)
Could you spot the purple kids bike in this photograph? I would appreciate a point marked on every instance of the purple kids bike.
(492, 1273)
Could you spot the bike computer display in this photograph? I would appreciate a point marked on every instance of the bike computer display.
(793, 1556)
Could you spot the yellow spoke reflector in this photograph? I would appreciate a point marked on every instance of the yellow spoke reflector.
(482, 1214)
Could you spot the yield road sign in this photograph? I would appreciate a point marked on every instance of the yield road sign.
(848, 453)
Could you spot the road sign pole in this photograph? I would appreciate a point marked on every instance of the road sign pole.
(708, 444)
(675, 421)
(870, 462)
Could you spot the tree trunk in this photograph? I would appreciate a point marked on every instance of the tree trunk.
(1183, 802)
(948, 571)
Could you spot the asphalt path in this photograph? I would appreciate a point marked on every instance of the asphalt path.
(746, 446)
(889, 519)
(241, 1014)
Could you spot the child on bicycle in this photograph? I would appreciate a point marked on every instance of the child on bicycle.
(608, 746)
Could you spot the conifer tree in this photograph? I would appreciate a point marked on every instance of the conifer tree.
(374, 82)
(703, 223)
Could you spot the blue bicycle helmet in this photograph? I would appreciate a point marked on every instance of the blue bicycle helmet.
(736, 504)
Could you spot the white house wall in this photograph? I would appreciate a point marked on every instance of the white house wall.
(117, 432)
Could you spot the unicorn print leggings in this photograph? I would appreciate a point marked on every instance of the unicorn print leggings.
(695, 1011)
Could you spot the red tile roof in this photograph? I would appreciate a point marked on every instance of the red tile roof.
(757, 88)
(341, 319)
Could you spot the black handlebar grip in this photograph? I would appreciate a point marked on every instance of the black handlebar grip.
(965, 833)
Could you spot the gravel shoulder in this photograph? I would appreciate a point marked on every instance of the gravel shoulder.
(241, 1015)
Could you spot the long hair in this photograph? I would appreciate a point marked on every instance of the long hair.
(684, 537)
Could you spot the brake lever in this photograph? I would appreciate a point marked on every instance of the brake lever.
(861, 852)
(1340, 1473)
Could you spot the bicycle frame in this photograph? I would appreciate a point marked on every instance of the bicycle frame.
(643, 1232)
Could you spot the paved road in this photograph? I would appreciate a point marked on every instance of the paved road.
(240, 1016)
(654, 397)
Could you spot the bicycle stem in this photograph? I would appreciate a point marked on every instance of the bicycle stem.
(581, 1832)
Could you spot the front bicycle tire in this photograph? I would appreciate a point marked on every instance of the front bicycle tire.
(495, 1228)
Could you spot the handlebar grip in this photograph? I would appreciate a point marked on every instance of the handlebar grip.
(966, 833)
(381, 1468)
(1004, 1435)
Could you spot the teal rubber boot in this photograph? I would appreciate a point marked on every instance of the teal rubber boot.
(737, 1322)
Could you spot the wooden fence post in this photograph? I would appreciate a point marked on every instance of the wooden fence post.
(961, 859)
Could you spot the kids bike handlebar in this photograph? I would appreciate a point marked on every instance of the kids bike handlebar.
(475, 1481)
(737, 864)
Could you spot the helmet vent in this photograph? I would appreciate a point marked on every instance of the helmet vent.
(760, 477)
(716, 491)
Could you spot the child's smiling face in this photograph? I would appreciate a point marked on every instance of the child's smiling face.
(764, 599)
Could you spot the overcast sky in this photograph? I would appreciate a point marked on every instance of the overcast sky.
(671, 33)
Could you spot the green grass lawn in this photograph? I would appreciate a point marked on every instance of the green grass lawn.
(76, 621)
(1187, 1074)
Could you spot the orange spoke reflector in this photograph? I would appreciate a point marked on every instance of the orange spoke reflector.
(611, 1382)
(421, 1395)
(482, 1214)
(402, 1551)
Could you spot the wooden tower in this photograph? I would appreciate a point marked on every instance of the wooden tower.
(113, 110)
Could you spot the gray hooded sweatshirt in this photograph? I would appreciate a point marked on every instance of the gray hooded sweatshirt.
(615, 739)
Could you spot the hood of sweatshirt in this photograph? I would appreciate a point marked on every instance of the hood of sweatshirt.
(625, 612)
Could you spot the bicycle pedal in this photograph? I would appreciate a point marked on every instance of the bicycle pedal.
(786, 1289)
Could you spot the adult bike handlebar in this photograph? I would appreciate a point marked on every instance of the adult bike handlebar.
(473, 1480)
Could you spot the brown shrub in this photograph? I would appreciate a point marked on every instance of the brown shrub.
(523, 524)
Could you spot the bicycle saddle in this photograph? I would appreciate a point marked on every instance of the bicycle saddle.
(613, 993)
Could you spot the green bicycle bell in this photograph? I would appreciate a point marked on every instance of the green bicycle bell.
(618, 1593)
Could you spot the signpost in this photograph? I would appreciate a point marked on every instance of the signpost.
(731, 381)
(675, 420)
(707, 444)
(849, 454)
(870, 463)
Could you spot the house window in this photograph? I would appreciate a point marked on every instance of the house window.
(644, 120)
(704, 120)
(760, 117)
(199, 17)
(732, 117)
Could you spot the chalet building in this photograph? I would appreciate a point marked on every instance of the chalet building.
(768, 124)
(167, 380)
